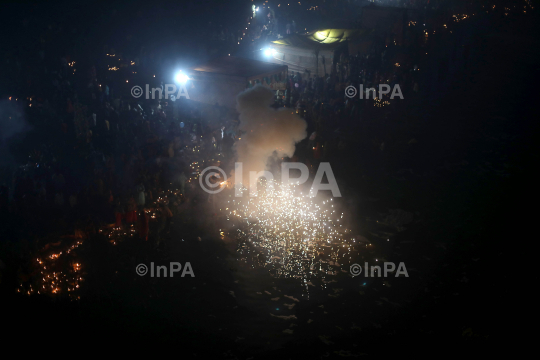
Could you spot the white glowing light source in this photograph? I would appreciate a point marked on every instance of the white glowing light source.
(269, 52)
(181, 78)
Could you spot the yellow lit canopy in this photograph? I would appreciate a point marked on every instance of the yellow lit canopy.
(326, 39)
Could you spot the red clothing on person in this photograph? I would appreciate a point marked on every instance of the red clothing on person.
(317, 151)
(131, 216)
(118, 219)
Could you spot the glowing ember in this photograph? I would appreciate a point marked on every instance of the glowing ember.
(295, 236)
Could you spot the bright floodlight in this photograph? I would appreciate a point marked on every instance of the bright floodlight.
(268, 52)
(181, 78)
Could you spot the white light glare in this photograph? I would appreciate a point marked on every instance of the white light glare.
(269, 52)
(181, 78)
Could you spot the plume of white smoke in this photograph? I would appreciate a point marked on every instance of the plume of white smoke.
(266, 131)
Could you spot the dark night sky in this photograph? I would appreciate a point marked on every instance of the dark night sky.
(130, 23)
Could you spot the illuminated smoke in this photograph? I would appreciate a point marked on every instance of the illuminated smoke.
(266, 132)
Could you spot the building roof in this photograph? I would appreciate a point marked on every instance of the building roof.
(326, 39)
(240, 67)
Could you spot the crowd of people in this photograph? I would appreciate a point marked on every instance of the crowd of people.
(97, 158)
(87, 155)
(107, 154)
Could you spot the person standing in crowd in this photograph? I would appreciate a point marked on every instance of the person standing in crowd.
(167, 214)
(141, 200)
(220, 138)
(143, 224)
(131, 214)
(183, 180)
(119, 213)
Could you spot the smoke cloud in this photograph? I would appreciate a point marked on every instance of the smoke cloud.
(266, 131)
